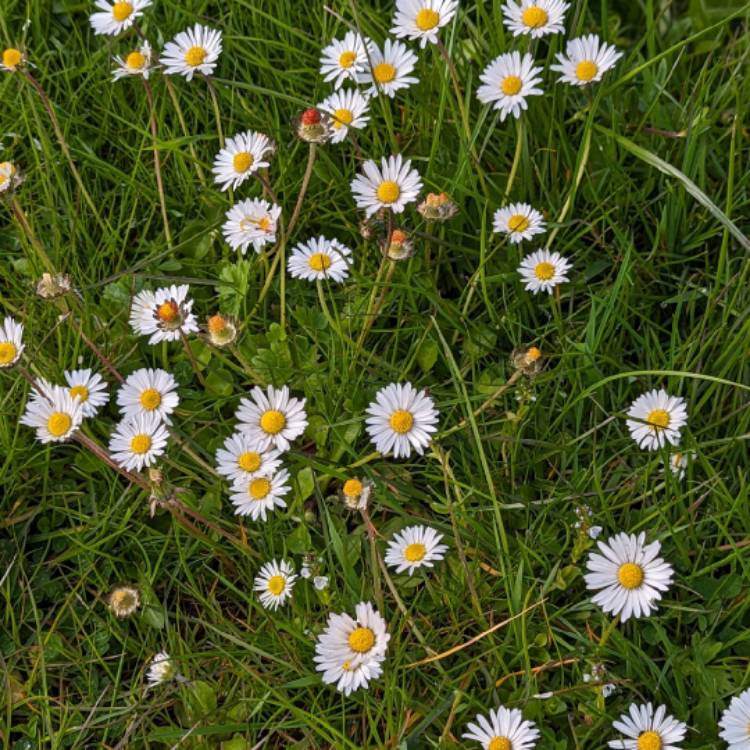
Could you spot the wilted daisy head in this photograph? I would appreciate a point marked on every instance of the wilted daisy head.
(241, 157)
(528, 358)
(274, 583)
(192, 51)
(251, 222)
(656, 418)
(51, 286)
(355, 493)
(124, 600)
(162, 669)
(415, 547)
(398, 245)
(54, 414)
(12, 59)
(137, 62)
(646, 729)
(260, 495)
(345, 109)
(586, 60)
(388, 70)
(164, 315)
(507, 81)
(535, 17)
(503, 729)
(393, 185)
(89, 388)
(518, 221)
(272, 418)
(345, 59)
(138, 442)
(11, 342)
(314, 126)
(320, 259)
(542, 271)
(421, 20)
(437, 207)
(114, 17)
(10, 177)
(222, 329)
(148, 391)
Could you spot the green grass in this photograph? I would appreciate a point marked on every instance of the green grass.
(646, 185)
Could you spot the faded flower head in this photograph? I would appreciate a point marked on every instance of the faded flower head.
(222, 330)
(529, 359)
(50, 287)
(399, 246)
(124, 600)
(314, 126)
(437, 207)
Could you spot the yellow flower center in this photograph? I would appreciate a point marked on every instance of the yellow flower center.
(511, 85)
(384, 72)
(135, 60)
(401, 421)
(361, 640)
(533, 354)
(320, 262)
(167, 311)
(249, 461)
(500, 743)
(649, 741)
(658, 419)
(150, 399)
(242, 161)
(276, 584)
(140, 444)
(346, 60)
(121, 11)
(58, 423)
(347, 666)
(8, 352)
(352, 488)
(80, 392)
(195, 56)
(342, 117)
(272, 421)
(415, 552)
(259, 488)
(264, 224)
(427, 19)
(534, 17)
(586, 70)
(123, 600)
(518, 223)
(12, 57)
(630, 575)
(544, 271)
(216, 323)
(388, 191)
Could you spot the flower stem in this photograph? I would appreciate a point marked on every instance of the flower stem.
(183, 125)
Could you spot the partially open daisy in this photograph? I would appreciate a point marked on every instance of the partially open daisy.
(9, 176)
(735, 722)
(347, 109)
(162, 669)
(401, 419)
(507, 81)
(242, 156)
(240, 460)
(164, 315)
(656, 418)
(138, 442)
(12, 59)
(260, 495)
(192, 51)
(55, 415)
(389, 68)
(394, 185)
(139, 62)
(628, 574)
(148, 391)
(319, 259)
(503, 729)
(11, 342)
(415, 547)
(356, 493)
(678, 463)
(89, 388)
(535, 17)
(421, 20)
(251, 222)
(542, 271)
(344, 59)
(272, 418)
(112, 18)
(646, 729)
(275, 583)
(350, 651)
(518, 221)
(586, 60)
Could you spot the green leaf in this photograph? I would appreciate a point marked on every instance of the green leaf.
(427, 355)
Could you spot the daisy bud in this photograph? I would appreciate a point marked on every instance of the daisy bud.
(13, 59)
(437, 207)
(313, 126)
(50, 287)
(124, 601)
(398, 246)
(221, 330)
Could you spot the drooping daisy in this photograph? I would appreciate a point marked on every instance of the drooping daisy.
(656, 419)
(735, 722)
(251, 222)
(422, 19)
(542, 271)
(124, 600)
(394, 185)
(628, 574)
(148, 391)
(535, 17)
(507, 81)
(138, 442)
(646, 729)
(192, 51)
(503, 729)
(348, 109)
(260, 495)
(586, 60)
(164, 315)
(678, 463)
(55, 416)
(11, 342)
(518, 221)
(355, 493)
(275, 583)
(319, 259)
(9, 176)
(272, 418)
(112, 18)
(162, 669)
(389, 68)
(242, 156)
(240, 460)
(415, 547)
(345, 59)
(89, 388)
(350, 651)
(136, 63)
(12, 59)
(401, 418)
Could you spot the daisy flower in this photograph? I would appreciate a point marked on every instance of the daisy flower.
(239, 460)
(348, 109)
(656, 419)
(241, 157)
(9, 176)
(678, 463)
(252, 221)
(535, 17)
(393, 185)
(11, 342)
(389, 69)
(12, 59)
(503, 729)
(319, 259)
(148, 391)
(112, 18)
(89, 388)
(138, 442)
(628, 575)
(136, 63)
(258, 496)
(415, 547)
(193, 51)
(162, 669)
(345, 59)
(401, 418)
(350, 651)
(272, 418)
(646, 729)
(164, 315)
(735, 722)
(124, 600)
(355, 493)
(56, 415)
(519, 221)
(586, 60)
(275, 583)
(507, 81)
(542, 271)
(422, 19)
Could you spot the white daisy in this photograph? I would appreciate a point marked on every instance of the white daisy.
(394, 185)
(89, 388)
(586, 60)
(11, 342)
(239, 460)
(735, 722)
(389, 69)
(9, 176)
(243, 155)
(535, 17)
(252, 221)
(422, 19)
(192, 51)
(348, 109)
(272, 418)
(656, 419)
(519, 221)
(345, 59)
(136, 63)
(628, 574)
(542, 271)
(55, 416)
(401, 418)
(319, 259)
(138, 442)
(350, 651)
(275, 583)
(162, 669)
(112, 18)
(148, 391)
(414, 547)
(164, 315)
(260, 495)
(503, 729)
(507, 81)
(647, 729)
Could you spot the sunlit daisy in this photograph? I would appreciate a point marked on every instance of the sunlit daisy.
(11, 342)
(242, 156)
(124, 600)
(415, 547)
(507, 81)
(347, 109)
(239, 460)
(421, 20)
(401, 419)
(138, 442)
(148, 391)
(12, 59)
(112, 18)
(389, 68)
(656, 418)
(503, 729)
(275, 583)
(355, 493)
(55, 416)
(519, 221)
(735, 722)
(344, 59)
(646, 729)
(260, 495)
(586, 60)
(542, 271)
(251, 222)
(164, 315)
(162, 669)
(89, 388)
(628, 574)
(272, 418)
(139, 62)
(394, 185)
(319, 259)
(9, 176)
(535, 17)
(192, 51)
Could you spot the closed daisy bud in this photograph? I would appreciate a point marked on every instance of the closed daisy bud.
(124, 600)
(113, 18)
(314, 126)
(503, 729)
(355, 493)
(399, 246)
(222, 330)
(10, 177)
(13, 58)
(52, 286)
(437, 207)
